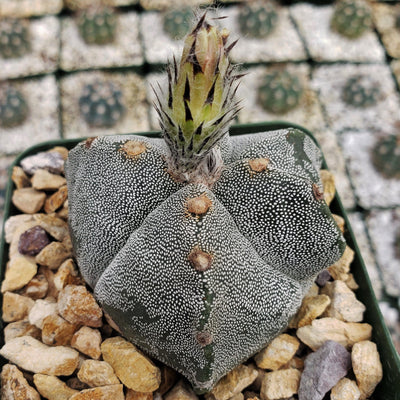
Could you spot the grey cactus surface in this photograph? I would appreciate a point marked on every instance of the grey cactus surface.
(361, 91)
(177, 22)
(13, 107)
(97, 25)
(385, 156)
(258, 19)
(14, 38)
(101, 104)
(351, 18)
(280, 91)
(201, 246)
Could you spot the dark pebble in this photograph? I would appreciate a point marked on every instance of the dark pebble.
(32, 241)
(323, 278)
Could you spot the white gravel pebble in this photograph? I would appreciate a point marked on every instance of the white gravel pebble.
(383, 226)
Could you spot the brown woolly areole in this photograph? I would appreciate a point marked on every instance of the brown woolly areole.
(199, 205)
(318, 194)
(204, 338)
(200, 260)
(259, 164)
(89, 141)
(133, 148)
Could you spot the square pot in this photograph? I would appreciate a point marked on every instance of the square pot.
(389, 387)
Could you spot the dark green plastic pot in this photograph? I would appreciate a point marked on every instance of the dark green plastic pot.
(389, 388)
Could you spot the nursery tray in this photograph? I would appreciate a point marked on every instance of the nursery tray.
(389, 387)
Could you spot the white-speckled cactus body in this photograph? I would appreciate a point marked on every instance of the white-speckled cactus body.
(200, 247)
(201, 286)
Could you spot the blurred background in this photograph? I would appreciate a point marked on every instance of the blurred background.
(78, 68)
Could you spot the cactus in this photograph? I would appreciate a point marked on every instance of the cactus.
(14, 38)
(200, 246)
(257, 20)
(177, 22)
(361, 91)
(101, 104)
(280, 91)
(351, 18)
(97, 25)
(385, 156)
(13, 107)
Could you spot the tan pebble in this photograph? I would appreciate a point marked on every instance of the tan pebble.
(66, 274)
(40, 310)
(78, 306)
(87, 341)
(351, 282)
(56, 227)
(328, 183)
(132, 395)
(57, 331)
(60, 149)
(296, 363)
(251, 395)
(280, 384)
(28, 200)
(256, 385)
(45, 180)
(36, 288)
(114, 392)
(238, 396)
(19, 272)
(56, 200)
(63, 212)
(52, 291)
(344, 304)
(311, 308)
(14, 386)
(32, 355)
(15, 222)
(67, 242)
(21, 328)
(97, 373)
(181, 391)
(53, 255)
(52, 388)
(341, 223)
(341, 268)
(345, 389)
(233, 383)
(323, 329)
(134, 370)
(168, 379)
(279, 352)
(19, 178)
(367, 367)
(16, 307)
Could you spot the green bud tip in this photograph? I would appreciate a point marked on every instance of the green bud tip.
(199, 105)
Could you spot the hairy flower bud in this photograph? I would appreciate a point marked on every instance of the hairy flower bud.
(196, 112)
